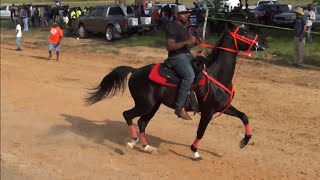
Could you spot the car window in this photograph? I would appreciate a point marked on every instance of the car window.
(318, 10)
(115, 11)
(99, 11)
(3, 8)
(284, 8)
(93, 12)
(129, 10)
(260, 8)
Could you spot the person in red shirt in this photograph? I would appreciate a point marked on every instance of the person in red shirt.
(55, 38)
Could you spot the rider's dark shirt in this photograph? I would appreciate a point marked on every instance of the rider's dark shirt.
(179, 34)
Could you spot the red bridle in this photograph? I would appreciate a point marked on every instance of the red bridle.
(236, 37)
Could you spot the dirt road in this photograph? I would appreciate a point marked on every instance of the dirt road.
(47, 132)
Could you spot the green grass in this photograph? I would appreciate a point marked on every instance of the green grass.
(157, 39)
(281, 45)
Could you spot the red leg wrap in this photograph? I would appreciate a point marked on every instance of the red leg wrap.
(143, 139)
(248, 129)
(133, 132)
(196, 143)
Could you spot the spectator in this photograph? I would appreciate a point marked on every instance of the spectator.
(311, 17)
(73, 14)
(85, 10)
(122, 4)
(58, 3)
(46, 16)
(24, 17)
(36, 17)
(30, 15)
(18, 36)
(78, 12)
(14, 13)
(299, 39)
(55, 38)
(149, 5)
(65, 20)
(197, 10)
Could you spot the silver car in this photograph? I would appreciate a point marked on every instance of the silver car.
(5, 12)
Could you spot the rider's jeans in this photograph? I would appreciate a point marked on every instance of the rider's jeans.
(182, 65)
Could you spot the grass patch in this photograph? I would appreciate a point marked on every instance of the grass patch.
(156, 39)
(281, 44)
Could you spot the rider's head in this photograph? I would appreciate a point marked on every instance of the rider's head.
(181, 13)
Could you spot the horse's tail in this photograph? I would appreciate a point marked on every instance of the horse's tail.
(110, 85)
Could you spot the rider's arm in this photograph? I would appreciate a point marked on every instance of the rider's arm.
(172, 45)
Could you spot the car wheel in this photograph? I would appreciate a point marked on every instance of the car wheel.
(82, 32)
(110, 33)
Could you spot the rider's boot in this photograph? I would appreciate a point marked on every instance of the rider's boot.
(182, 113)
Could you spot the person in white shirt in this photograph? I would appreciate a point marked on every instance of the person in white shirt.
(149, 5)
(18, 36)
(311, 17)
(65, 20)
(123, 6)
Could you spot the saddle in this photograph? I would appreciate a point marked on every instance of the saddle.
(164, 73)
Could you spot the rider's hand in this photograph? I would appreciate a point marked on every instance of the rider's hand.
(192, 41)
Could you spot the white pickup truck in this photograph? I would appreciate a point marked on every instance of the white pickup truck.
(5, 12)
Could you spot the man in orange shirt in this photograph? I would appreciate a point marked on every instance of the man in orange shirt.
(55, 38)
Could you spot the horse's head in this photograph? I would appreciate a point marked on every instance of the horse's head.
(245, 39)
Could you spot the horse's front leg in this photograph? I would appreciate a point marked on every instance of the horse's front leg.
(232, 111)
(204, 121)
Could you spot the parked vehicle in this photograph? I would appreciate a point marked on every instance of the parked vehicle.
(157, 7)
(107, 19)
(110, 20)
(266, 2)
(265, 13)
(286, 19)
(230, 4)
(5, 12)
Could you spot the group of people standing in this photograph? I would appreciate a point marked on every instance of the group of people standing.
(26, 14)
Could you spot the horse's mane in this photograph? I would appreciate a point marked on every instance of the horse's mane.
(213, 55)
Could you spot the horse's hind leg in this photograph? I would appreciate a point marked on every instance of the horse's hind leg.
(146, 116)
(129, 116)
(142, 123)
(232, 111)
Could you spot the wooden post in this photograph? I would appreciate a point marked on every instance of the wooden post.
(205, 24)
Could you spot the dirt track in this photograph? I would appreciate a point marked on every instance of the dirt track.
(47, 132)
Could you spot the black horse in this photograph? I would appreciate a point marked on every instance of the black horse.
(213, 96)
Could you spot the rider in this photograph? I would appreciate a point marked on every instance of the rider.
(179, 56)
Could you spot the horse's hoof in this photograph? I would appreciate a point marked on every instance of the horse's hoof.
(197, 159)
(130, 143)
(244, 141)
(242, 144)
(150, 149)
